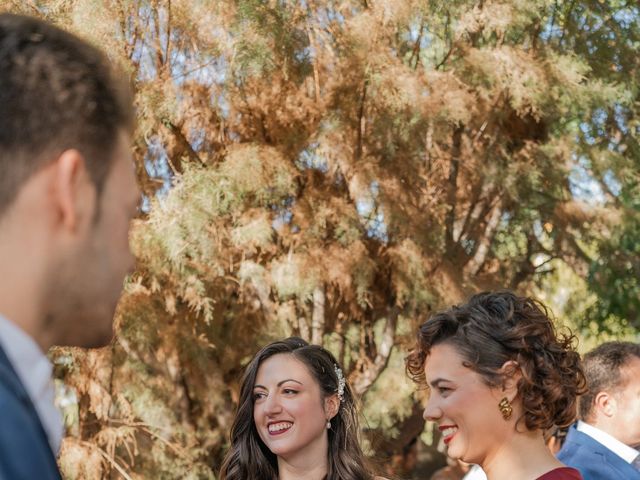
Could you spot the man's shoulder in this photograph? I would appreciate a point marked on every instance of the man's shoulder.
(593, 459)
(24, 451)
(578, 441)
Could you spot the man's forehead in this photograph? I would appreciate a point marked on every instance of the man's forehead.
(630, 372)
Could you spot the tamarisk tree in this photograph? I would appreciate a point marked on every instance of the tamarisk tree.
(336, 170)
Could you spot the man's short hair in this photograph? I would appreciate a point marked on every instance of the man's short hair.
(57, 92)
(602, 368)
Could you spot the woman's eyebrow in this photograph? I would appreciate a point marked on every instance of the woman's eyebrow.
(279, 383)
(289, 380)
(437, 381)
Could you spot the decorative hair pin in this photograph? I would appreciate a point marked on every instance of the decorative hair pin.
(341, 382)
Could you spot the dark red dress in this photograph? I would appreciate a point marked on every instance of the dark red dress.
(563, 473)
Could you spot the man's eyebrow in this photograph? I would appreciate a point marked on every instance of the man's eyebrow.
(279, 383)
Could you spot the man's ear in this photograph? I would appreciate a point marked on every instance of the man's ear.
(72, 189)
(605, 403)
(331, 406)
(511, 375)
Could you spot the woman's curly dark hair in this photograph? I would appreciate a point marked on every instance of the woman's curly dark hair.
(495, 327)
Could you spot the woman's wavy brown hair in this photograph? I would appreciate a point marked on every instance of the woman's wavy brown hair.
(248, 458)
(495, 327)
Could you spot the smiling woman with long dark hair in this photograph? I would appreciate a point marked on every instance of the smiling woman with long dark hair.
(296, 418)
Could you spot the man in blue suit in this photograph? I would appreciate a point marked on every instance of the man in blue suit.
(603, 445)
(67, 195)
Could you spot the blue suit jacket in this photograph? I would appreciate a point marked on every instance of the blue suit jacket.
(594, 460)
(25, 453)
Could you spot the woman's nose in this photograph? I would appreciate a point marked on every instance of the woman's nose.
(272, 405)
(432, 411)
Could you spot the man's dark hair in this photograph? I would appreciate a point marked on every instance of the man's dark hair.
(57, 92)
(602, 368)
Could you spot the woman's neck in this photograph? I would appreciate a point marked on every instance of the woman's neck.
(524, 457)
(310, 462)
(307, 470)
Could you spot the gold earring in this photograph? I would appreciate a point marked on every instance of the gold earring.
(505, 408)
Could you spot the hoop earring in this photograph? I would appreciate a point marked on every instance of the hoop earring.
(328, 424)
(505, 408)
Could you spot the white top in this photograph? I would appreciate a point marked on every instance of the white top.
(627, 453)
(475, 473)
(34, 371)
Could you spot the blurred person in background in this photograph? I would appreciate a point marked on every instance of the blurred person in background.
(603, 444)
(67, 195)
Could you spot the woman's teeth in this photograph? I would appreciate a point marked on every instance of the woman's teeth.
(279, 427)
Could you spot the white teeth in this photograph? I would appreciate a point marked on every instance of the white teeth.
(277, 427)
(447, 432)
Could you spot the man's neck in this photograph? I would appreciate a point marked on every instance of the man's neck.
(21, 292)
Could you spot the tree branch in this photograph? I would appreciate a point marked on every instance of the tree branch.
(573, 254)
(564, 25)
(303, 327)
(452, 188)
(476, 262)
(481, 194)
(361, 121)
(416, 48)
(159, 61)
(167, 49)
(314, 62)
(373, 368)
(182, 146)
(452, 45)
(318, 316)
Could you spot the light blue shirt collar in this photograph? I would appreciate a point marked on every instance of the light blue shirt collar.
(34, 371)
(624, 451)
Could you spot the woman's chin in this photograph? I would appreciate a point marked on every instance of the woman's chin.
(457, 454)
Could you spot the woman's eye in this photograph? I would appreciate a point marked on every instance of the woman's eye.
(258, 395)
(444, 390)
(289, 391)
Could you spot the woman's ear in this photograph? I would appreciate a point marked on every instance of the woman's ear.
(331, 406)
(511, 375)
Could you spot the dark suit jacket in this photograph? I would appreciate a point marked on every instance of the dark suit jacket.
(594, 460)
(25, 453)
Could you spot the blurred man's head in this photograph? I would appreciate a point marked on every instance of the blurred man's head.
(612, 403)
(67, 189)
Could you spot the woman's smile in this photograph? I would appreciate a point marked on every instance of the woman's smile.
(278, 428)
